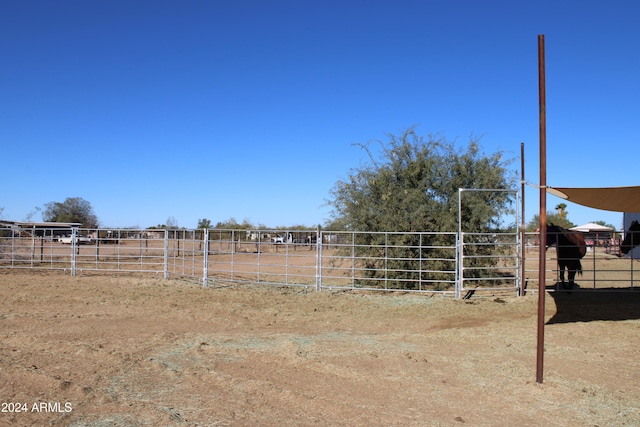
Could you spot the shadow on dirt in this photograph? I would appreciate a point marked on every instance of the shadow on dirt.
(586, 305)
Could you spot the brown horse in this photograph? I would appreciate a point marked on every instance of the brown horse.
(570, 248)
(631, 238)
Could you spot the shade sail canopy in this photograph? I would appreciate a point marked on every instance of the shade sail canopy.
(617, 199)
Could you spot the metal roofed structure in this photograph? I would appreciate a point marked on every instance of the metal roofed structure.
(593, 228)
(31, 224)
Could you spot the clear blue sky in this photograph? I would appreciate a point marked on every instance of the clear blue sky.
(249, 109)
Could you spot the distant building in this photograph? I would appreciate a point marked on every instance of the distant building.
(40, 229)
(596, 234)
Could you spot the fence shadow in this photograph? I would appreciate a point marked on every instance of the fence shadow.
(586, 305)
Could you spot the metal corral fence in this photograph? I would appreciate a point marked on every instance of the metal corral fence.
(603, 268)
(449, 263)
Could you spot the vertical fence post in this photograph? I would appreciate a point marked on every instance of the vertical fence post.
(459, 243)
(13, 247)
(33, 245)
(233, 254)
(97, 248)
(166, 254)
(353, 259)
(631, 258)
(74, 242)
(42, 245)
(420, 262)
(318, 259)
(205, 260)
(595, 243)
(460, 261)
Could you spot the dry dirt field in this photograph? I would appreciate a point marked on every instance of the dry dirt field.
(103, 350)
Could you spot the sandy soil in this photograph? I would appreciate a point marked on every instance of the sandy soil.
(137, 351)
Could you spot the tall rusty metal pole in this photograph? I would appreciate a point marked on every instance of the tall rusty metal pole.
(543, 209)
(523, 257)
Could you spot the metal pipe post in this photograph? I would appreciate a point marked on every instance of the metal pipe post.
(543, 209)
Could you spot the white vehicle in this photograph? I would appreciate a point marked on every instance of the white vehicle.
(282, 238)
(80, 240)
(278, 239)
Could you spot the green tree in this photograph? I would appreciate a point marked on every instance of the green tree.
(412, 186)
(232, 224)
(556, 218)
(601, 222)
(73, 209)
(561, 208)
(172, 223)
(204, 223)
(157, 227)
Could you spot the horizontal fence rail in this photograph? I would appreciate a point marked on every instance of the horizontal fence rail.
(489, 261)
(602, 267)
(448, 262)
(390, 261)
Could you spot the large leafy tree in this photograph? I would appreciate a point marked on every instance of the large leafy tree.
(204, 223)
(557, 218)
(73, 209)
(411, 185)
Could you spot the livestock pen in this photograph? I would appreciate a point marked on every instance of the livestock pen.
(448, 263)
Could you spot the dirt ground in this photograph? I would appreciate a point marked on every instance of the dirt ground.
(103, 350)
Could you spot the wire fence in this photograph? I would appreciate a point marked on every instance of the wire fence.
(447, 263)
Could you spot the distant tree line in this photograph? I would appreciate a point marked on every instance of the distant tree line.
(560, 218)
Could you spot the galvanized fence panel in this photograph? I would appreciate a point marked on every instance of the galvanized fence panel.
(489, 261)
(26, 249)
(603, 268)
(122, 251)
(185, 253)
(413, 262)
(388, 261)
(262, 256)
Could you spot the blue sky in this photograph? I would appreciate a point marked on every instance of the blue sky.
(250, 109)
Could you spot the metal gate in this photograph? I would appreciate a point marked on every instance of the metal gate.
(488, 261)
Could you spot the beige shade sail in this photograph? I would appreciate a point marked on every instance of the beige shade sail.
(617, 199)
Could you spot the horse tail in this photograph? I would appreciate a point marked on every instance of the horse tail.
(579, 268)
